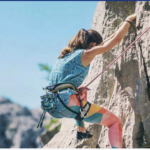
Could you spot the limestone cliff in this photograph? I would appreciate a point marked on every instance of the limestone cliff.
(123, 89)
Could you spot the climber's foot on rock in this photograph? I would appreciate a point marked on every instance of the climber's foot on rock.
(81, 135)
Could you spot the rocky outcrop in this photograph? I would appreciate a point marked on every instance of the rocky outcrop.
(124, 89)
(53, 127)
(18, 126)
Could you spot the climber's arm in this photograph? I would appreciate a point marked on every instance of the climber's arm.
(110, 36)
(88, 55)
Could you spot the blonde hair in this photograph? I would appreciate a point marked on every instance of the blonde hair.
(81, 41)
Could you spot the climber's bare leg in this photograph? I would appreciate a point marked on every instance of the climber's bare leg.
(73, 101)
(104, 117)
(81, 126)
(100, 116)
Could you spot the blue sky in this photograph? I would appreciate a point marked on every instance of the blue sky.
(32, 33)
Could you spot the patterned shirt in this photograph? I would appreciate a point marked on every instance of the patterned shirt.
(68, 70)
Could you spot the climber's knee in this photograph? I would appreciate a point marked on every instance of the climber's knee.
(116, 122)
(110, 119)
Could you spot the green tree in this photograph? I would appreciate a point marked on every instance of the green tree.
(46, 68)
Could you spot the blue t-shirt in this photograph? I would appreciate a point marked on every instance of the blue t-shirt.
(68, 70)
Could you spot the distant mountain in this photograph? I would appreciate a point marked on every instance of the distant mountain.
(18, 125)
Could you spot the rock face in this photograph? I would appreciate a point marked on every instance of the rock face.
(18, 126)
(125, 88)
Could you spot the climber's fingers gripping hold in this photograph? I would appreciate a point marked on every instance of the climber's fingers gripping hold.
(82, 89)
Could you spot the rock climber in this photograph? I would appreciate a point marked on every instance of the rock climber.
(72, 67)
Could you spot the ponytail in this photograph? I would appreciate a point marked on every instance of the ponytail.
(78, 42)
(81, 41)
(65, 51)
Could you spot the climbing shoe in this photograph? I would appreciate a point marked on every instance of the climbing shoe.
(81, 135)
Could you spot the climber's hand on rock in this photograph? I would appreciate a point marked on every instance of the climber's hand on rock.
(131, 17)
(82, 89)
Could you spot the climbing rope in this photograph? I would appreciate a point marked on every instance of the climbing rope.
(117, 57)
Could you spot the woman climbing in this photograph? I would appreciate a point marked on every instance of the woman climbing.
(72, 67)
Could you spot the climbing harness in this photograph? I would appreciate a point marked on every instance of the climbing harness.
(117, 57)
(47, 102)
